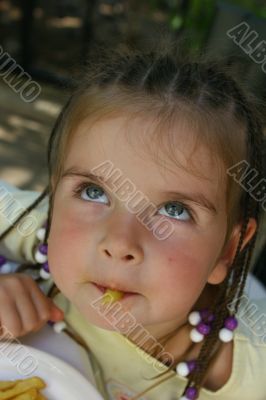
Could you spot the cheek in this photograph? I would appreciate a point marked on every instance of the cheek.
(65, 256)
(70, 246)
(68, 230)
(74, 222)
(184, 257)
(182, 275)
(192, 254)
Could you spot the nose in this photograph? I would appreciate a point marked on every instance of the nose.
(120, 253)
(121, 242)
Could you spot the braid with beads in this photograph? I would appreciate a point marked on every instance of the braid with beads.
(198, 83)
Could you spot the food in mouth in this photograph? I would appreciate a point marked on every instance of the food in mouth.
(115, 295)
(112, 295)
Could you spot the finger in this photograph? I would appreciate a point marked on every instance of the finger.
(46, 309)
(56, 313)
(11, 320)
(28, 312)
(42, 305)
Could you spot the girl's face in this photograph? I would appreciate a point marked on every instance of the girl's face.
(96, 238)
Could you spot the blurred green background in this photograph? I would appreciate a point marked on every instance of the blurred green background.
(51, 38)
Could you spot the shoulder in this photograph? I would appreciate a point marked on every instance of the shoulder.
(251, 317)
(246, 353)
(10, 193)
(13, 201)
(19, 243)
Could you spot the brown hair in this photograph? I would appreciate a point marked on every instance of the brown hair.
(201, 94)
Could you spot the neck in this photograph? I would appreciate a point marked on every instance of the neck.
(174, 338)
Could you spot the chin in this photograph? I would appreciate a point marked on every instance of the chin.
(99, 320)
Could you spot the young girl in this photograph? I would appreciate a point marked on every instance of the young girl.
(151, 223)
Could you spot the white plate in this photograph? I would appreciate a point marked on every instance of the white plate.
(63, 381)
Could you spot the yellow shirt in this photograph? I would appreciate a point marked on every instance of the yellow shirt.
(20, 244)
(121, 368)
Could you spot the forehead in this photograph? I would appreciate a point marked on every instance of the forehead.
(147, 159)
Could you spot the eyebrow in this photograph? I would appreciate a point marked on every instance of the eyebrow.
(197, 198)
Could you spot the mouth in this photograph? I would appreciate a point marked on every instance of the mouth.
(103, 289)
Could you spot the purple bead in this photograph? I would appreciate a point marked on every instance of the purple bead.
(51, 323)
(206, 315)
(191, 365)
(43, 248)
(2, 260)
(45, 266)
(191, 393)
(230, 323)
(204, 329)
(210, 318)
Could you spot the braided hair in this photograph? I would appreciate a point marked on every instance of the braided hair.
(203, 89)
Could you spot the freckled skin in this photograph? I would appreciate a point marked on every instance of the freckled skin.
(90, 240)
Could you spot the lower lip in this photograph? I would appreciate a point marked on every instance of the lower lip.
(103, 290)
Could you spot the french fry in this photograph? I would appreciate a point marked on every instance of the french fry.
(41, 397)
(30, 395)
(4, 385)
(115, 295)
(23, 387)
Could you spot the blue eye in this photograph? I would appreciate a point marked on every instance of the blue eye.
(94, 193)
(90, 192)
(175, 209)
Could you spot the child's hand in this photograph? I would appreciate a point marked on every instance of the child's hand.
(24, 308)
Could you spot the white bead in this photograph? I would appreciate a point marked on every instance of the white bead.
(194, 318)
(182, 369)
(59, 326)
(44, 274)
(226, 335)
(196, 336)
(41, 233)
(40, 258)
(183, 398)
(6, 268)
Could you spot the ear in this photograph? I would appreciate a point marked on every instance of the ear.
(222, 266)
